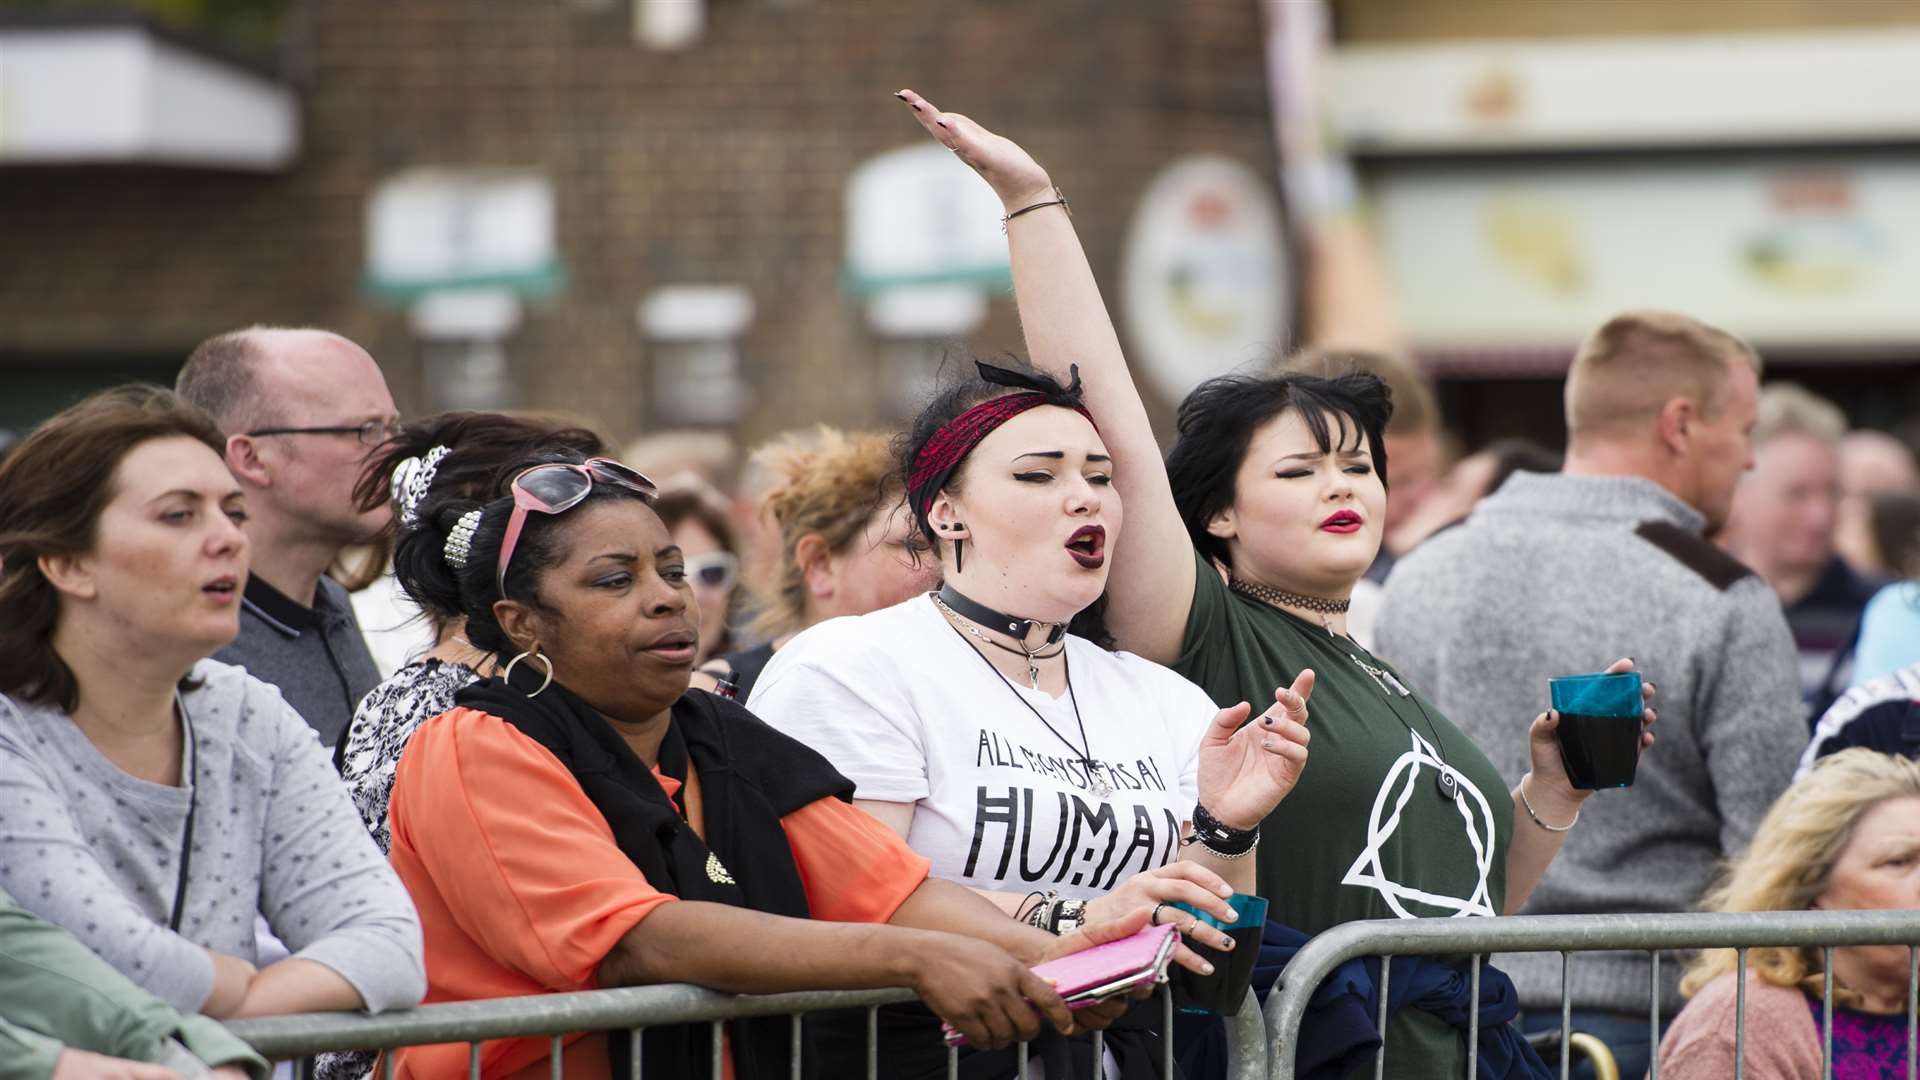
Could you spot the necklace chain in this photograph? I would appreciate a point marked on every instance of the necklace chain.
(1030, 656)
(1098, 783)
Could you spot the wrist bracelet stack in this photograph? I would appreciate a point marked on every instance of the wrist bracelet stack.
(1051, 913)
(1222, 840)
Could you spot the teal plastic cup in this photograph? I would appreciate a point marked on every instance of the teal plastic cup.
(1600, 720)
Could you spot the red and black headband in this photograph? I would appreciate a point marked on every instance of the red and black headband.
(947, 448)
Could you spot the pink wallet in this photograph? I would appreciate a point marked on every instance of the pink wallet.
(1091, 976)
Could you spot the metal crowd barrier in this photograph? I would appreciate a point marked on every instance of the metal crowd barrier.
(1569, 934)
(634, 1010)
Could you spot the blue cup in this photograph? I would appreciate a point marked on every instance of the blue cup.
(1222, 992)
(1600, 719)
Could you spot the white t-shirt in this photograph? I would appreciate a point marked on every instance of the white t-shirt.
(905, 708)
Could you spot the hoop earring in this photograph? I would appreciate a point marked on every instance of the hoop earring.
(507, 675)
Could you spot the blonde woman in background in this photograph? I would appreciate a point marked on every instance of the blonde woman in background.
(1845, 836)
(847, 543)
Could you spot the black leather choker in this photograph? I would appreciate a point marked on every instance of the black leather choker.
(996, 620)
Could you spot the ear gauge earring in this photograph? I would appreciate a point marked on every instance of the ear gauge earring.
(957, 557)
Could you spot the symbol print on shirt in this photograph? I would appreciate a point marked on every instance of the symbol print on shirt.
(1401, 782)
(717, 873)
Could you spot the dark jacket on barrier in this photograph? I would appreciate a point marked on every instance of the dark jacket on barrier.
(1339, 1030)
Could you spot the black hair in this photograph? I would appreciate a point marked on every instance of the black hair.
(421, 567)
(1217, 422)
(959, 391)
(479, 444)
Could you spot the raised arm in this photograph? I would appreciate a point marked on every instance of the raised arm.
(1150, 589)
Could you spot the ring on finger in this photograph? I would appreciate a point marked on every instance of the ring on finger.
(1154, 918)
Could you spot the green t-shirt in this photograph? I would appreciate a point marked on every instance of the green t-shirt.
(1367, 833)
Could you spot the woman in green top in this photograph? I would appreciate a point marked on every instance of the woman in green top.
(1235, 571)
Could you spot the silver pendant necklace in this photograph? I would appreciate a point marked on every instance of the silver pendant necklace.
(1447, 782)
(1097, 781)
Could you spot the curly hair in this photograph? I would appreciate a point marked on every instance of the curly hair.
(828, 483)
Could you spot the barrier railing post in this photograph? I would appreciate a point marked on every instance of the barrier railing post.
(1100, 1054)
(1826, 1015)
(1473, 1020)
(873, 1045)
(1566, 1014)
(1380, 1055)
(1740, 1015)
(1166, 1029)
(1653, 1016)
(794, 1044)
(557, 1057)
(635, 1066)
(473, 1060)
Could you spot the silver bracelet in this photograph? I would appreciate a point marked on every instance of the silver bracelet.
(1521, 790)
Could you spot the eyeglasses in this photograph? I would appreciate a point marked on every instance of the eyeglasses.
(371, 433)
(558, 488)
(715, 570)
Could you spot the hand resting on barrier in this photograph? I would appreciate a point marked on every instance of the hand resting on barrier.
(966, 959)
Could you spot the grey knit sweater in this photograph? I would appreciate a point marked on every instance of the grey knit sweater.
(1556, 575)
(98, 851)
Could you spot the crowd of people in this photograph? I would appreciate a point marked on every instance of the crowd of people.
(943, 703)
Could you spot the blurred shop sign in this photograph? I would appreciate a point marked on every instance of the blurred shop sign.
(1821, 87)
(919, 216)
(1795, 252)
(693, 337)
(115, 90)
(462, 228)
(1204, 282)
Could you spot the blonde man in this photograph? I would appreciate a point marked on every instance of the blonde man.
(1558, 574)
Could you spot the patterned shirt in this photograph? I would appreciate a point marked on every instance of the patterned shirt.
(385, 720)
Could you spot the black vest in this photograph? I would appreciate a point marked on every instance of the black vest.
(751, 776)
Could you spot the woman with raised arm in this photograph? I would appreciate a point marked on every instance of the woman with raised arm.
(582, 820)
(990, 724)
(1235, 569)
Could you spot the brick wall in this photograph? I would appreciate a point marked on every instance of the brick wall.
(723, 163)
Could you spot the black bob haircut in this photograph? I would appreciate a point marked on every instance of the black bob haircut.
(1217, 422)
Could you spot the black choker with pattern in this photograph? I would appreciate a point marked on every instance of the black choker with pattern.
(1267, 594)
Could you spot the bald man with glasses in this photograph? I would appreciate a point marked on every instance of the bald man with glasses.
(301, 409)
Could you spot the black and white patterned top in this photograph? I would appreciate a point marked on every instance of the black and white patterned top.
(386, 719)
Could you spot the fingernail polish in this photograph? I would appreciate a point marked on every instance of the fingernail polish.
(1206, 968)
(1232, 914)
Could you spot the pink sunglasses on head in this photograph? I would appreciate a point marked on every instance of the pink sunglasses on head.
(558, 488)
